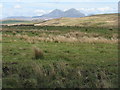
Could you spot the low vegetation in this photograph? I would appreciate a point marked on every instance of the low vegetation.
(38, 53)
(59, 57)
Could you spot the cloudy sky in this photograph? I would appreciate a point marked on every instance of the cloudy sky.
(38, 7)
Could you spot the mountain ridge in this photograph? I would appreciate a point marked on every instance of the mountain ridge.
(57, 13)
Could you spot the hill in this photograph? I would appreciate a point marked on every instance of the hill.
(103, 20)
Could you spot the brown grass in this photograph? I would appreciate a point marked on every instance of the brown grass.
(38, 54)
(70, 37)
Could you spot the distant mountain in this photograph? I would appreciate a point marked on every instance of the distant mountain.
(52, 15)
(58, 14)
(19, 18)
(73, 13)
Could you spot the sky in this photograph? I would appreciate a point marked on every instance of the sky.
(31, 8)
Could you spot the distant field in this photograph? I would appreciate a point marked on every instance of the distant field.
(16, 22)
(60, 57)
(103, 20)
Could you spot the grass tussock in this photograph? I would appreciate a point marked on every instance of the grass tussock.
(38, 54)
(70, 37)
(56, 75)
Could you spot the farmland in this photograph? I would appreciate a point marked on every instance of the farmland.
(59, 56)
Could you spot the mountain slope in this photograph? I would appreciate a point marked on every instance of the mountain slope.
(58, 14)
(73, 13)
(104, 20)
(54, 14)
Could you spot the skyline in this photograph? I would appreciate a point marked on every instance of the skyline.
(10, 8)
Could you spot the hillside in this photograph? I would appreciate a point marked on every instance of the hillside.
(103, 20)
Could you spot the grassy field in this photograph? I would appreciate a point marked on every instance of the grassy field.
(59, 56)
(16, 22)
(102, 20)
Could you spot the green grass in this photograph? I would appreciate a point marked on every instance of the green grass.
(105, 32)
(65, 65)
(15, 21)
